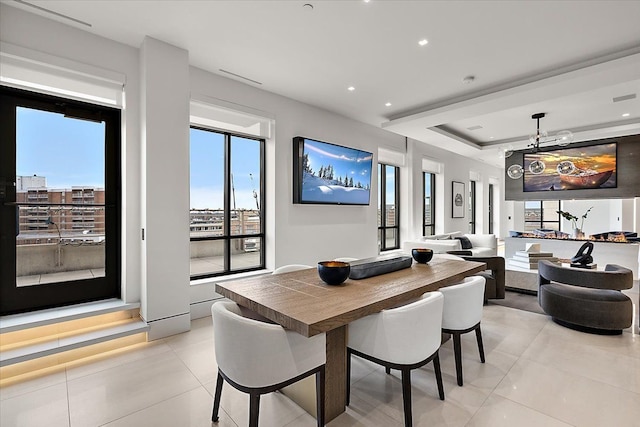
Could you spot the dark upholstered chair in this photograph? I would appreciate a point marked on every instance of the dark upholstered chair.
(494, 275)
(587, 300)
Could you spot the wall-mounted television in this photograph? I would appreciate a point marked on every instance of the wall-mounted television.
(326, 173)
(578, 168)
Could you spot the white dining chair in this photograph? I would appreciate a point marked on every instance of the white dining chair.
(258, 357)
(462, 313)
(290, 267)
(405, 338)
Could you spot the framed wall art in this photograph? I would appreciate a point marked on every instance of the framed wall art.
(457, 199)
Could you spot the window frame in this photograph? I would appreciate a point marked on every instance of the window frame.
(58, 294)
(432, 195)
(540, 223)
(382, 194)
(228, 237)
(490, 208)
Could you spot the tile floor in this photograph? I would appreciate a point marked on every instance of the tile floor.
(537, 374)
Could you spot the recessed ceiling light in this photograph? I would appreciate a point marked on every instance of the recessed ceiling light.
(367, 1)
(468, 80)
(626, 115)
(307, 6)
(388, 104)
(351, 88)
(423, 42)
(490, 137)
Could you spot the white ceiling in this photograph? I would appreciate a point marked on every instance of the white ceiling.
(568, 59)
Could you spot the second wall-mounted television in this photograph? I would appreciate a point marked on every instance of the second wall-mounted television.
(326, 173)
(580, 168)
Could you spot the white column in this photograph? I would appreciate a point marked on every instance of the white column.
(165, 187)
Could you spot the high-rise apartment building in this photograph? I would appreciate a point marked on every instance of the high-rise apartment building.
(65, 214)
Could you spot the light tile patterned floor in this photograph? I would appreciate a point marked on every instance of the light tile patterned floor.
(537, 374)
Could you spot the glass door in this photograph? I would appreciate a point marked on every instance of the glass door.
(59, 201)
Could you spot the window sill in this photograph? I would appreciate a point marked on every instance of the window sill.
(220, 279)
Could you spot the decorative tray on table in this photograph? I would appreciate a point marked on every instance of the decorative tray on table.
(370, 267)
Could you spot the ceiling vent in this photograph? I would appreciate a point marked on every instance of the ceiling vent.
(51, 12)
(624, 97)
(476, 127)
(240, 77)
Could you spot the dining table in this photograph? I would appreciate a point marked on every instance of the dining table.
(300, 301)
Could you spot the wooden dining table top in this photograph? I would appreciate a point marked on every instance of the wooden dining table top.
(302, 302)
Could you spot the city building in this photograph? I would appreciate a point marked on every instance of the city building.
(58, 218)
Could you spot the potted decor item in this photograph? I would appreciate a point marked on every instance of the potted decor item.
(577, 231)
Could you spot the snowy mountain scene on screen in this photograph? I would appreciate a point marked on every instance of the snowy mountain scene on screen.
(335, 174)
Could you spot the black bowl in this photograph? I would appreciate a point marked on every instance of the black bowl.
(333, 272)
(422, 255)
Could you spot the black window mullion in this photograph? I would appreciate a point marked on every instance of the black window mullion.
(383, 207)
(227, 202)
(396, 206)
(431, 225)
(262, 203)
(541, 221)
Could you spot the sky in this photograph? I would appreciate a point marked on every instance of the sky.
(207, 170)
(67, 152)
(70, 152)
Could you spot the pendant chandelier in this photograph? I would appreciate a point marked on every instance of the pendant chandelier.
(536, 167)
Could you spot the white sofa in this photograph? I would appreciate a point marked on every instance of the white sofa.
(483, 244)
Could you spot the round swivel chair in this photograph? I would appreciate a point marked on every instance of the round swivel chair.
(586, 300)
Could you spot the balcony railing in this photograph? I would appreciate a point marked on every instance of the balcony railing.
(51, 258)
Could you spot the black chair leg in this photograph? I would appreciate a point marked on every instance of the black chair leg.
(480, 345)
(406, 397)
(320, 396)
(387, 370)
(216, 399)
(457, 350)
(348, 382)
(254, 409)
(436, 369)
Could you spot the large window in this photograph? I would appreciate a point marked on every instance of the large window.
(428, 214)
(59, 201)
(541, 214)
(227, 203)
(388, 204)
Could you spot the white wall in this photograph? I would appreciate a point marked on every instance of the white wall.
(305, 234)
(295, 233)
(164, 145)
(455, 168)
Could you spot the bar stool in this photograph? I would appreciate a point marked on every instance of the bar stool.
(257, 358)
(462, 313)
(404, 338)
(290, 267)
